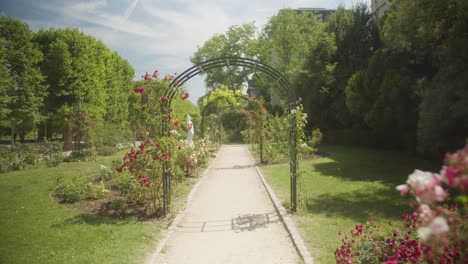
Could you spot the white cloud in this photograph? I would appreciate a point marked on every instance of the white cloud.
(88, 5)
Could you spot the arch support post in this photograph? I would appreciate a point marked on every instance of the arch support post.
(293, 162)
(166, 177)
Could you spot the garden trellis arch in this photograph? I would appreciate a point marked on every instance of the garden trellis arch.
(255, 65)
(243, 97)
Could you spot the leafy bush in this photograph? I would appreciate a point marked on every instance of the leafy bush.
(18, 157)
(106, 137)
(69, 190)
(53, 155)
(75, 189)
(354, 137)
(95, 191)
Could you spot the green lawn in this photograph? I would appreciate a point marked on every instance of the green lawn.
(344, 189)
(34, 228)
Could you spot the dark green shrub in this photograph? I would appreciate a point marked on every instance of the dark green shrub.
(53, 154)
(106, 137)
(75, 189)
(69, 190)
(95, 191)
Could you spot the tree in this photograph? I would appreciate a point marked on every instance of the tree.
(238, 41)
(384, 97)
(86, 80)
(343, 48)
(288, 37)
(433, 34)
(22, 84)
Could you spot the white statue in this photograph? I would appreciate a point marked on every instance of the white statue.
(191, 132)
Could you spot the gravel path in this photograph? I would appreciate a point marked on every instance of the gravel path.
(231, 219)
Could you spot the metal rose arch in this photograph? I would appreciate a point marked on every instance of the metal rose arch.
(207, 65)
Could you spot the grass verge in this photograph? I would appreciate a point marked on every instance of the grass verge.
(35, 228)
(344, 189)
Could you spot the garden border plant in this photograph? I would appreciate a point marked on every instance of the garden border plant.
(434, 233)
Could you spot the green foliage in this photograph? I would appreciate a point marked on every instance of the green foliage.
(384, 97)
(22, 85)
(30, 217)
(74, 189)
(278, 133)
(238, 41)
(69, 190)
(224, 113)
(415, 86)
(346, 187)
(349, 39)
(17, 157)
(52, 154)
(288, 37)
(106, 137)
(354, 137)
(85, 78)
(142, 171)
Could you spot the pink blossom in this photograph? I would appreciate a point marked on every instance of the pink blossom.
(438, 226)
(426, 187)
(176, 123)
(425, 213)
(163, 99)
(185, 96)
(146, 76)
(155, 74)
(449, 174)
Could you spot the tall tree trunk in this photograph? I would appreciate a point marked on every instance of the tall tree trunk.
(42, 131)
(22, 135)
(67, 139)
(13, 135)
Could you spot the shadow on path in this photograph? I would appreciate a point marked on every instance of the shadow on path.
(241, 223)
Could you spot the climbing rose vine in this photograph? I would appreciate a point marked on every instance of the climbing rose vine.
(141, 169)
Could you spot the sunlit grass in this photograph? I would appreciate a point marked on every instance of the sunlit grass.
(35, 228)
(344, 189)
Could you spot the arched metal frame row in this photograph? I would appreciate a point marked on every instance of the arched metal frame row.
(219, 98)
(207, 65)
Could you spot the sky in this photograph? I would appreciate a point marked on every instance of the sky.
(154, 34)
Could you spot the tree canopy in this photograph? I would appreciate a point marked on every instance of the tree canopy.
(22, 85)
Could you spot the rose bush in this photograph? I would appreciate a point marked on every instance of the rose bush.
(141, 169)
(435, 233)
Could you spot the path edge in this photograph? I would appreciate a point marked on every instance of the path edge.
(162, 243)
(285, 219)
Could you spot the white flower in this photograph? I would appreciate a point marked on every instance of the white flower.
(425, 213)
(420, 180)
(304, 145)
(174, 132)
(438, 226)
(425, 185)
(403, 189)
(102, 167)
(293, 111)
